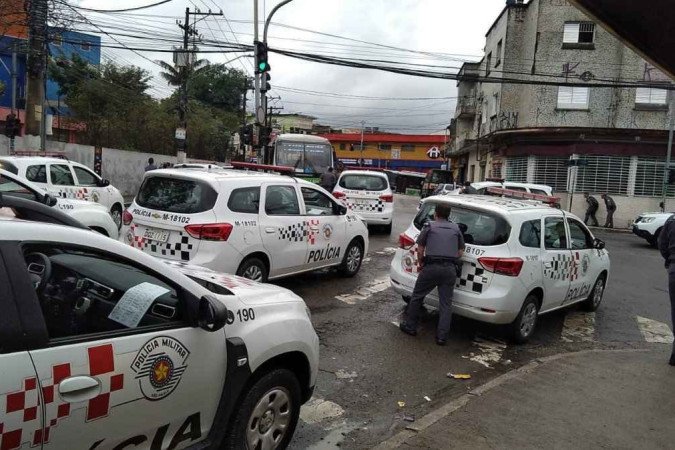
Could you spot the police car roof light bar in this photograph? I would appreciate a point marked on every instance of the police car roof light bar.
(59, 155)
(283, 170)
(523, 195)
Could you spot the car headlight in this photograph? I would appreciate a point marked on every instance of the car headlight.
(647, 219)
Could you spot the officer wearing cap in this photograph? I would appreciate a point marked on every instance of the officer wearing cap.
(439, 247)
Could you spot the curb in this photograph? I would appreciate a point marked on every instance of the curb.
(611, 230)
(434, 416)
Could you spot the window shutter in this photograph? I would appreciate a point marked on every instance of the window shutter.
(580, 96)
(659, 96)
(565, 95)
(642, 95)
(651, 96)
(571, 33)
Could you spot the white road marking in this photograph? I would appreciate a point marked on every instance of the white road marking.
(488, 354)
(317, 410)
(387, 251)
(362, 293)
(344, 375)
(579, 327)
(655, 331)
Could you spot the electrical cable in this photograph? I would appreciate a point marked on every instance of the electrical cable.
(137, 8)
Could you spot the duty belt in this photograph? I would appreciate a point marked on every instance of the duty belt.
(439, 260)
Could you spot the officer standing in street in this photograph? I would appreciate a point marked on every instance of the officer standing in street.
(327, 180)
(439, 247)
(611, 208)
(591, 210)
(667, 249)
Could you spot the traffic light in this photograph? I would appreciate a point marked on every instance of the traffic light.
(262, 65)
(264, 136)
(247, 134)
(265, 78)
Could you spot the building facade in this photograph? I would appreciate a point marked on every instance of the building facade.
(392, 151)
(514, 120)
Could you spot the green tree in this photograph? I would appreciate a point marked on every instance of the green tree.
(218, 86)
(175, 75)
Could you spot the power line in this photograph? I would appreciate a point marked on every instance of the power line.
(137, 8)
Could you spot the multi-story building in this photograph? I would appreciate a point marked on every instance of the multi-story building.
(520, 116)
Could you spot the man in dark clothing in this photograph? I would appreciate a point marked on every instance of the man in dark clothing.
(667, 249)
(439, 247)
(591, 209)
(611, 208)
(468, 189)
(327, 180)
(151, 165)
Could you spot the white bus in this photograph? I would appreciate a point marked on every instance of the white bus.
(308, 155)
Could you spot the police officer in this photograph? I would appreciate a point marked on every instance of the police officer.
(439, 246)
(591, 210)
(667, 249)
(610, 204)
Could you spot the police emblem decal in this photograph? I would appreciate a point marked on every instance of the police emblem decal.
(95, 197)
(159, 366)
(585, 263)
(327, 230)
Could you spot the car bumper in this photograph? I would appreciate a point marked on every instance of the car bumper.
(642, 233)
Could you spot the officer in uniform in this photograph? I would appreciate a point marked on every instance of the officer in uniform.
(591, 210)
(439, 247)
(610, 204)
(667, 249)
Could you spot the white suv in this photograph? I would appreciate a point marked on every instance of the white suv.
(522, 259)
(368, 194)
(104, 346)
(648, 226)
(67, 179)
(257, 225)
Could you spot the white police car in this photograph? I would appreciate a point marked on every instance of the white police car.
(368, 194)
(523, 258)
(67, 179)
(649, 225)
(105, 347)
(257, 225)
(91, 215)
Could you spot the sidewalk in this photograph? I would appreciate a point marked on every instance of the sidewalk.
(596, 399)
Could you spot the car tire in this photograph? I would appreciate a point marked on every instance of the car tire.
(351, 261)
(523, 327)
(254, 269)
(116, 214)
(594, 299)
(272, 401)
(387, 228)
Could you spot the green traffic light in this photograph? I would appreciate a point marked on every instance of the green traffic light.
(263, 66)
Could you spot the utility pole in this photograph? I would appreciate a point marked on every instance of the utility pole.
(14, 76)
(242, 143)
(37, 66)
(363, 124)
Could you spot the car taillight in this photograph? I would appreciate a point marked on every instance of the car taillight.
(338, 194)
(127, 217)
(210, 232)
(405, 241)
(503, 266)
(387, 198)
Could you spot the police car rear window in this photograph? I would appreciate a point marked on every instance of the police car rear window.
(482, 228)
(363, 182)
(176, 195)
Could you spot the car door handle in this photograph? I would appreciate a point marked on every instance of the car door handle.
(270, 230)
(79, 388)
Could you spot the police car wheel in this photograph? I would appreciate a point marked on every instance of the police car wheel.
(352, 260)
(253, 269)
(595, 298)
(116, 214)
(523, 327)
(268, 413)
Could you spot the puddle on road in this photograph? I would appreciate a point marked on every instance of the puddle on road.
(488, 354)
(654, 331)
(362, 293)
(579, 327)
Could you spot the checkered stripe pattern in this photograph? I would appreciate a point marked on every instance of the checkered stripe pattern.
(472, 279)
(300, 232)
(20, 423)
(182, 249)
(373, 206)
(563, 266)
(75, 192)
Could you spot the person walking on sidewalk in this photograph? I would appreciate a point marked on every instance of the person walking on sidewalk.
(439, 247)
(591, 210)
(611, 208)
(667, 249)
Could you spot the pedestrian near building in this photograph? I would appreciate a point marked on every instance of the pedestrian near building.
(327, 180)
(591, 210)
(151, 165)
(468, 189)
(439, 247)
(667, 249)
(611, 208)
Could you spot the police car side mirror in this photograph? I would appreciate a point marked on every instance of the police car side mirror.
(212, 314)
(49, 200)
(598, 244)
(103, 183)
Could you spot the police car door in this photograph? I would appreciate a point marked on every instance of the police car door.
(108, 381)
(583, 274)
(557, 261)
(284, 231)
(87, 180)
(327, 228)
(62, 182)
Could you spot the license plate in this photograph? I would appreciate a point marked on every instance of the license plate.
(156, 235)
(361, 201)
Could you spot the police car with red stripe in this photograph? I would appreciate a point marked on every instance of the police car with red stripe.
(252, 223)
(106, 347)
(523, 258)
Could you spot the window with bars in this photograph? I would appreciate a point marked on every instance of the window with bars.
(651, 96)
(604, 174)
(578, 33)
(649, 177)
(552, 171)
(516, 169)
(570, 97)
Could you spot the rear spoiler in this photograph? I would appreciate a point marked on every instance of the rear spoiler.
(510, 193)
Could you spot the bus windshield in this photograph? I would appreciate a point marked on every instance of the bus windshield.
(304, 157)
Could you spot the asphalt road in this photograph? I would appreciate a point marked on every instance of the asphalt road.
(374, 379)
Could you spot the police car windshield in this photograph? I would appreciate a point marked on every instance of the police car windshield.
(363, 182)
(176, 195)
(482, 228)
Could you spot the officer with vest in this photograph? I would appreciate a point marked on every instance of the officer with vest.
(439, 247)
(667, 249)
(591, 209)
(610, 204)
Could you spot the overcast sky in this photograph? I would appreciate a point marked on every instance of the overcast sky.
(451, 27)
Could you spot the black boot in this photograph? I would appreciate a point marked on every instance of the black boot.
(403, 327)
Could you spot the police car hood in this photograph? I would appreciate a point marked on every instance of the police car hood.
(657, 214)
(248, 291)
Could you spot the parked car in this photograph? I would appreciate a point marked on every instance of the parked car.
(482, 186)
(648, 226)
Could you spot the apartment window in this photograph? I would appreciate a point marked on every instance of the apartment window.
(85, 46)
(579, 35)
(499, 53)
(651, 96)
(489, 64)
(407, 148)
(343, 146)
(573, 97)
(384, 147)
